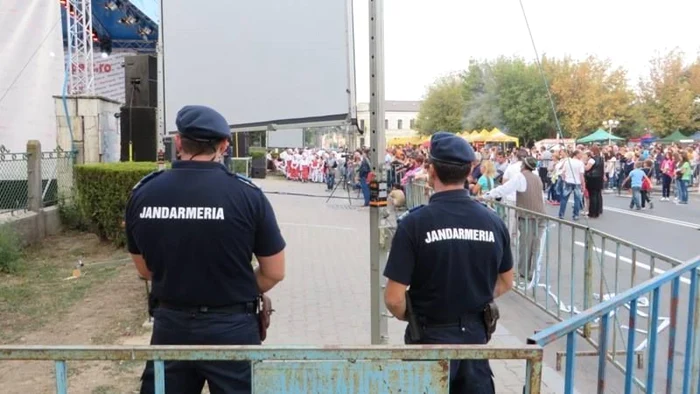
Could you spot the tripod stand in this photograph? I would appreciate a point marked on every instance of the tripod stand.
(344, 182)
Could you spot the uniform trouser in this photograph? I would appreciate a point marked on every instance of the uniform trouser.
(528, 245)
(172, 327)
(466, 376)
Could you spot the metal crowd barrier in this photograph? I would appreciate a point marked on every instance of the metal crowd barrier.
(361, 369)
(567, 268)
(668, 361)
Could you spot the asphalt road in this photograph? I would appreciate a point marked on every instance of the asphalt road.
(668, 229)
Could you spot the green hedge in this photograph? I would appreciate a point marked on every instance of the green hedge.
(102, 191)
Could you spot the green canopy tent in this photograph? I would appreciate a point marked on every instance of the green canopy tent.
(599, 135)
(677, 136)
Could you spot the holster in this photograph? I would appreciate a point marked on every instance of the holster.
(415, 331)
(264, 312)
(152, 304)
(491, 316)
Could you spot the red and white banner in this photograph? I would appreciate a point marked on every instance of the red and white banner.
(109, 75)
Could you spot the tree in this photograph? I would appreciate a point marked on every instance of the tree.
(588, 92)
(667, 95)
(442, 107)
(522, 99)
(480, 98)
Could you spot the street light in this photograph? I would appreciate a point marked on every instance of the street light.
(611, 124)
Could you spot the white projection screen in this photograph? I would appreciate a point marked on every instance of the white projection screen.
(262, 62)
(286, 138)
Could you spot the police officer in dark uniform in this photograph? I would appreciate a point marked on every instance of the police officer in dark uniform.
(455, 255)
(192, 230)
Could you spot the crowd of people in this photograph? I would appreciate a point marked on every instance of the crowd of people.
(332, 167)
(584, 172)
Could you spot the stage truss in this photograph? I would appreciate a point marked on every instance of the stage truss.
(80, 48)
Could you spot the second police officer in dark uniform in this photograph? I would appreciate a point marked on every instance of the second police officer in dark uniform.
(455, 255)
(192, 230)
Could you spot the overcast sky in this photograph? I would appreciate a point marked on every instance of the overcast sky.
(427, 39)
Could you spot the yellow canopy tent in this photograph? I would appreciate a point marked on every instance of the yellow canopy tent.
(481, 136)
(415, 140)
(466, 135)
(499, 136)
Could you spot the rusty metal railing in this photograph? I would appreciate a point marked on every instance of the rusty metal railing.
(408, 369)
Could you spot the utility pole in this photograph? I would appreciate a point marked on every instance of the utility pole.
(379, 245)
(161, 94)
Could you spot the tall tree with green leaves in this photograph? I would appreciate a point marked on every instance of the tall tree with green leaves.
(480, 98)
(442, 107)
(522, 99)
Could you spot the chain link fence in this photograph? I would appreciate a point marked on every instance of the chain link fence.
(13, 181)
(56, 179)
(57, 176)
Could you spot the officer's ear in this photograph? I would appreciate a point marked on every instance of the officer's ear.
(178, 143)
(223, 145)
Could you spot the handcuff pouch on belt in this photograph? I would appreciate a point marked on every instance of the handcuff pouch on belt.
(264, 312)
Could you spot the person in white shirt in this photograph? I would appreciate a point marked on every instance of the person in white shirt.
(528, 189)
(572, 175)
(511, 173)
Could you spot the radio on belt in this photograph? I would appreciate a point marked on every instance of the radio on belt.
(377, 193)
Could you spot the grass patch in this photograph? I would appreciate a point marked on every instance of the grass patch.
(38, 291)
(10, 252)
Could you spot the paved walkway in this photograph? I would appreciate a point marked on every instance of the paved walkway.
(325, 298)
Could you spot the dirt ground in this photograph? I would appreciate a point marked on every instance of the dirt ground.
(41, 306)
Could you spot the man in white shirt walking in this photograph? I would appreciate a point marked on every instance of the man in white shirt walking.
(572, 174)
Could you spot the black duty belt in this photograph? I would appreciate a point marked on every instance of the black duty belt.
(245, 307)
(454, 322)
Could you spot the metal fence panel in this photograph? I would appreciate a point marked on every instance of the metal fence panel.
(57, 175)
(342, 377)
(241, 165)
(13, 181)
(56, 179)
(300, 369)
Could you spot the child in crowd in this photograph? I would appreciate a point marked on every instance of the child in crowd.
(636, 178)
(397, 198)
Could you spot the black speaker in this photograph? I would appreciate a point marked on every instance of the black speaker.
(258, 173)
(240, 142)
(141, 81)
(139, 127)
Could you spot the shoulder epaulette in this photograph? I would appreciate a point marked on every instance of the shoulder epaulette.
(410, 211)
(147, 179)
(246, 180)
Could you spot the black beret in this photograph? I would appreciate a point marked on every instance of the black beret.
(202, 123)
(448, 148)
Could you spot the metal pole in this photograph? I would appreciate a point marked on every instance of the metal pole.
(378, 249)
(695, 371)
(161, 93)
